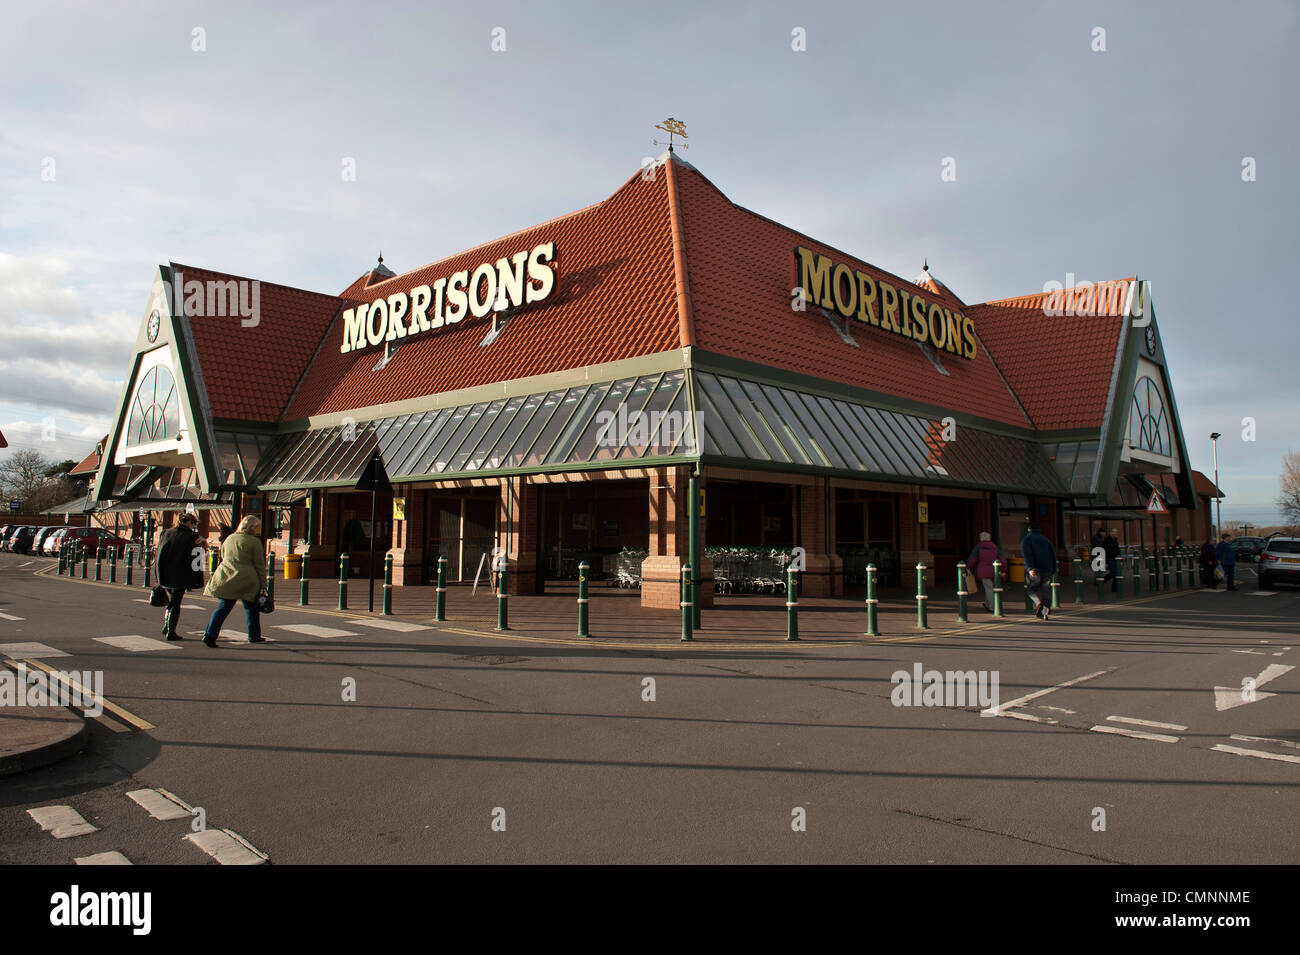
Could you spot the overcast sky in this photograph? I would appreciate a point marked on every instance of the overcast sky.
(122, 146)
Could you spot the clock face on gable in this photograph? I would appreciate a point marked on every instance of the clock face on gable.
(155, 323)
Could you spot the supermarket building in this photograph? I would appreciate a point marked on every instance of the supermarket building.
(665, 373)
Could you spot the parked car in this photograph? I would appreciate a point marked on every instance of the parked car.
(92, 538)
(42, 535)
(10, 533)
(1280, 561)
(21, 542)
(1248, 548)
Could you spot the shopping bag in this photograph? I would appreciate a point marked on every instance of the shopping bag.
(1218, 573)
(972, 585)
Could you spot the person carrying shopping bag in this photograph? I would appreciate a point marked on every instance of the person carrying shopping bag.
(240, 576)
(981, 562)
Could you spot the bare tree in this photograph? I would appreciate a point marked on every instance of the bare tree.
(23, 474)
(1288, 501)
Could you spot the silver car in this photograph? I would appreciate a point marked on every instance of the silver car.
(1280, 562)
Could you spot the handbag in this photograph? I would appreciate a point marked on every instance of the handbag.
(972, 585)
(158, 597)
(265, 603)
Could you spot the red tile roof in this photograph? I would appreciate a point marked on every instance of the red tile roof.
(250, 372)
(1059, 366)
(1204, 486)
(741, 268)
(614, 300)
(90, 463)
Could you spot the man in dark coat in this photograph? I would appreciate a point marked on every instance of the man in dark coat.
(1111, 546)
(1040, 565)
(1208, 562)
(1227, 560)
(180, 568)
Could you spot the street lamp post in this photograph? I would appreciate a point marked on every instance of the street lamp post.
(1218, 497)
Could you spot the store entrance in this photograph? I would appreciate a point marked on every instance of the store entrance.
(354, 530)
(461, 526)
(866, 532)
(604, 522)
(951, 534)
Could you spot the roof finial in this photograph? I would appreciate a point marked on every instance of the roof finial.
(673, 127)
(925, 265)
(381, 256)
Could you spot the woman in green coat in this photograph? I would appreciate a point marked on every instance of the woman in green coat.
(240, 576)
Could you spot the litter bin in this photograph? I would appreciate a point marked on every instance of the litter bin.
(1017, 570)
(293, 566)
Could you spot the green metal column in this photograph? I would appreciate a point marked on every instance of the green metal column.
(873, 628)
(1056, 586)
(583, 602)
(343, 580)
(387, 610)
(99, 562)
(791, 604)
(440, 599)
(112, 566)
(503, 597)
(687, 588)
(694, 548)
(962, 616)
(313, 504)
(922, 620)
(85, 561)
(270, 576)
(997, 588)
(1078, 580)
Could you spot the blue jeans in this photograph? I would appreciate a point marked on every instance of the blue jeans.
(223, 611)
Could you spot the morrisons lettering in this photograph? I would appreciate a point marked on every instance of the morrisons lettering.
(851, 293)
(524, 278)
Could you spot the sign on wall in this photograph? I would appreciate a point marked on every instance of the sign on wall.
(923, 512)
(524, 278)
(399, 508)
(838, 287)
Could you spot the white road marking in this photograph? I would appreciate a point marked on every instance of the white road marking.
(28, 564)
(1030, 717)
(157, 805)
(1265, 739)
(1228, 697)
(1135, 734)
(1057, 709)
(1263, 593)
(1258, 653)
(143, 600)
(311, 630)
(104, 858)
(29, 651)
(62, 822)
(226, 847)
(1001, 708)
(9, 616)
(1222, 748)
(401, 626)
(136, 643)
(1152, 723)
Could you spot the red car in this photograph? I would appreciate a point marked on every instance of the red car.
(91, 538)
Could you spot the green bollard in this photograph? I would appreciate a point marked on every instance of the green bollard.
(962, 616)
(1078, 580)
(387, 610)
(130, 561)
(1101, 587)
(921, 617)
(873, 619)
(270, 576)
(583, 602)
(1180, 562)
(440, 601)
(791, 605)
(85, 562)
(1165, 576)
(1056, 586)
(687, 613)
(1136, 573)
(303, 587)
(60, 556)
(1119, 578)
(343, 580)
(148, 568)
(503, 605)
(112, 566)
(997, 588)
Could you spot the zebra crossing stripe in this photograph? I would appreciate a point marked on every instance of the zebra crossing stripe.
(104, 858)
(226, 847)
(62, 822)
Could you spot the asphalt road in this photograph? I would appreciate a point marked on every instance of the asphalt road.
(557, 745)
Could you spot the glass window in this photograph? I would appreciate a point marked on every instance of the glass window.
(640, 440)
(427, 430)
(551, 404)
(851, 447)
(560, 418)
(810, 414)
(602, 428)
(719, 405)
(447, 453)
(897, 456)
(501, 453)
(583, 418)
(500, 423)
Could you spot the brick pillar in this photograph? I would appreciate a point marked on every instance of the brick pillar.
(408, 539)
(661, 572)
(519, 499)
(823, 574)
(913, 548)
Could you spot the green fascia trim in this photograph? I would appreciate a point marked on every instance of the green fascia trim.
(636, 367)
(904, 480)
(501, 472)
(715, 363)
(106, 477)
(1183, 479)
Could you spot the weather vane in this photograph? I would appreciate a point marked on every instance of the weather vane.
(673, 127)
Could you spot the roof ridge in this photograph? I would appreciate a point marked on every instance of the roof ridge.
(682, 280)
(249, 278)
(1009, 302)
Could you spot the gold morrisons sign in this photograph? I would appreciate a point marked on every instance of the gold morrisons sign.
(854, 294)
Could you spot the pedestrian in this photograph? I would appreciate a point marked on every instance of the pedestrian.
(1040, 565)
(180, 568)
(1227, 560)
(223, 532)
(1208, 563)
(981, 562)
(241, 576)
(1111, 546)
